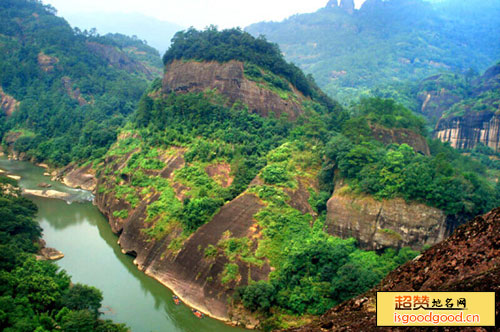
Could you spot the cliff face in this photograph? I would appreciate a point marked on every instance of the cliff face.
(7, 103)
(474, 118)
(387, 223)
(229, 80)
(465, 132)
(469, 260)
(179, 263)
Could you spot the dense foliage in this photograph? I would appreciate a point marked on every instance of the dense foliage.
(385, 44)
(72, 100)
(36, 295)
(234, 44)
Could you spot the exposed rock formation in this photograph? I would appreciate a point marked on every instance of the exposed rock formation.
(434, 102)
(467, 261)
(401, 136)
(229, 80)
(119, 59)
(77, 177)
(7, 103)
(476, 118)
(387, 223)
(465, 132)
(196, 279)
(48, 254)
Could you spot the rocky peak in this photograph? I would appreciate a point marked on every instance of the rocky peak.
(229, 80)
(347, 5)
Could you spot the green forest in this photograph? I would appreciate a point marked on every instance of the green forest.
(36, 295)
(72, 100)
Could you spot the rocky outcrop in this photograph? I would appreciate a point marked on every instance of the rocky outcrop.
(465, 132)
(48, 254)
(229, 80)
(386, 223)
(77, 177)
(332, 4)
(7, 103)
(469, 260)
(119, 59)
(401, 136)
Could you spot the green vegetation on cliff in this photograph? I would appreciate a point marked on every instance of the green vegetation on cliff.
(37, 295)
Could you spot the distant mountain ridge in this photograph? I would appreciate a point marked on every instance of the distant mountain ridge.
(386, 43)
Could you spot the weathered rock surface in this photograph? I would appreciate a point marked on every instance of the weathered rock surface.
(7, 103)
(229, 80)
(469, 260)
(476, 119)
(196, 279)
(465, 132)
(387, 223)
(73, 92)
(401, 136)
(47, 63)
(77, 177)
(48, 254)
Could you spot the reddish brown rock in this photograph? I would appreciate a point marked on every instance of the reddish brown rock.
(401, 136)
(469, 260)
(229, 80)
(47, 63)
(385, 223)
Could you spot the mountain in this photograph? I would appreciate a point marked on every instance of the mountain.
(468, 261)
(157, 33)
(64, 93)
(240, 185)
(383, 45)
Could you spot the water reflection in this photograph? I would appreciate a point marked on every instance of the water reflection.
(92, 256)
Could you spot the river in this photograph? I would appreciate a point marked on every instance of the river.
(93, 257)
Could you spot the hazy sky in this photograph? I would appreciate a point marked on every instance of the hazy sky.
(197, 13)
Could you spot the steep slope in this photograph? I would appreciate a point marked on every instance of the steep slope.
(467, 261)
(379, 47)
(473, 120)
(72, 89)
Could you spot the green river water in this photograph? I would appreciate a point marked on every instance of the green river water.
(93, 257)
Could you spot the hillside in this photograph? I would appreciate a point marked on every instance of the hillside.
(467, 261)
(65, 92)
(222, 185)
(385, 44)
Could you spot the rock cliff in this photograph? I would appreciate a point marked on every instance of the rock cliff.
(469, 260)
(229, 80)
(183, 266)
(386, 223)
(475, 118)
(465, 132)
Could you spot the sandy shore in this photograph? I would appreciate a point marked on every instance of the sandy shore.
(46, 193)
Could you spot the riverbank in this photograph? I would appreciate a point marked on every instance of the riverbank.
(176, 286)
